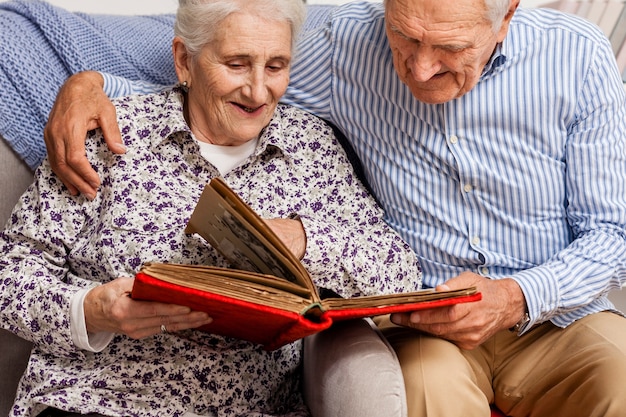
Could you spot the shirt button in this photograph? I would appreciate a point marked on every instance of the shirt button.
(484, 270)
(475, 240)
(467, 188)
(453, 139)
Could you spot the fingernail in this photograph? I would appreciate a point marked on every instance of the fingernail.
(415, 317)
(120, 148)
(204, 316)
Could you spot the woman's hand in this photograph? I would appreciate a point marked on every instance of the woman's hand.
(109, 308)
(80, 106)
(291, 233)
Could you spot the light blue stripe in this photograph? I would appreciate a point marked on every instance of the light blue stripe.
(115, 86)
(540, 140)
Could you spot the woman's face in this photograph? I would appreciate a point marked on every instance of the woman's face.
(235, 82)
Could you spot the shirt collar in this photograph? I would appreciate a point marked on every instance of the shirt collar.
(173, 122)
(273, 134)
(172, 119)
(497, 59)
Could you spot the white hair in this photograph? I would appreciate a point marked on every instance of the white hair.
(197, 20)
(496, 10)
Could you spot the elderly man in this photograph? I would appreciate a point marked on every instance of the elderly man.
(495, 140)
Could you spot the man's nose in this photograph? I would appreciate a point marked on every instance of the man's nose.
(425, 64)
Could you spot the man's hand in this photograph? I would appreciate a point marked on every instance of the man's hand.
(80, 106)
(109, 308)
(470, 324)
(291, 233)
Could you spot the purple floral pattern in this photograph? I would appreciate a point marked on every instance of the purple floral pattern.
(54, 244)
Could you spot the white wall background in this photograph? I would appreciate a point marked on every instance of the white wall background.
(166, 6)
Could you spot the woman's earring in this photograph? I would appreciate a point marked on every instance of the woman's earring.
(184, 86)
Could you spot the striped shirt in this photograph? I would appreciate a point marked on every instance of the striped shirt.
(522, 177)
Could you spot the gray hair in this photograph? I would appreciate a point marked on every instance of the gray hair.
(496, 10)
(197, 20)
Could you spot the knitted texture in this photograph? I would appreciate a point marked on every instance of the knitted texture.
(41, 45)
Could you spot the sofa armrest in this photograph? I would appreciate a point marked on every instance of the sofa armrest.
(14, 354)
(350, 370)
(15, 176)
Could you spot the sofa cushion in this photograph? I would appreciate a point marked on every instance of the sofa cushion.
(350, 370)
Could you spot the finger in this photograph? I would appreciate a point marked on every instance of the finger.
(152, 314)
(155, 311)
(192, 320)
(421, 320)
(76, 184)
(138, 329)
(111, 130)
(445, 331)
(66, 157)
(64, 173)
(56, 157)
(401, 319)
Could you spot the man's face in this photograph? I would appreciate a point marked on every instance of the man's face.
(440, 46)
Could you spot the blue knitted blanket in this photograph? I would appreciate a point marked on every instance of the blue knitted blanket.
(41, 45)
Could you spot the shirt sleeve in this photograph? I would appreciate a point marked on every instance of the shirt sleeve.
(92, 342)
(36, 288)
(115, 86)
(595, 262)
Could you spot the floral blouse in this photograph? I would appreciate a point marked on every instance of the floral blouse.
(56, 244)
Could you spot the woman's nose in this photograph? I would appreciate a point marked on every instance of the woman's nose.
(256, 89)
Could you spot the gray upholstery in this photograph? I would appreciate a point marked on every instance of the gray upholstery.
(619, 299)
(351, 371)
(15, 176)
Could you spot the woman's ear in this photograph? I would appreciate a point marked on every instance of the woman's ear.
(181, 60)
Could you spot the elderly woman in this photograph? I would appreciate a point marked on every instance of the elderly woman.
(68, 261)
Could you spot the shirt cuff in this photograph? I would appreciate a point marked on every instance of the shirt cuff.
(115, 86)
(95, 342)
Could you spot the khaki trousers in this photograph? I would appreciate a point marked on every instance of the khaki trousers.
(579, 371)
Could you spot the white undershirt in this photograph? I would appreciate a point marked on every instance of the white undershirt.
(225, 158)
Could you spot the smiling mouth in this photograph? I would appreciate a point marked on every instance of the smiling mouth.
(247, 109)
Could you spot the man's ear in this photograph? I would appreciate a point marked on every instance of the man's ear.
(181, 60)
(504, 28)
